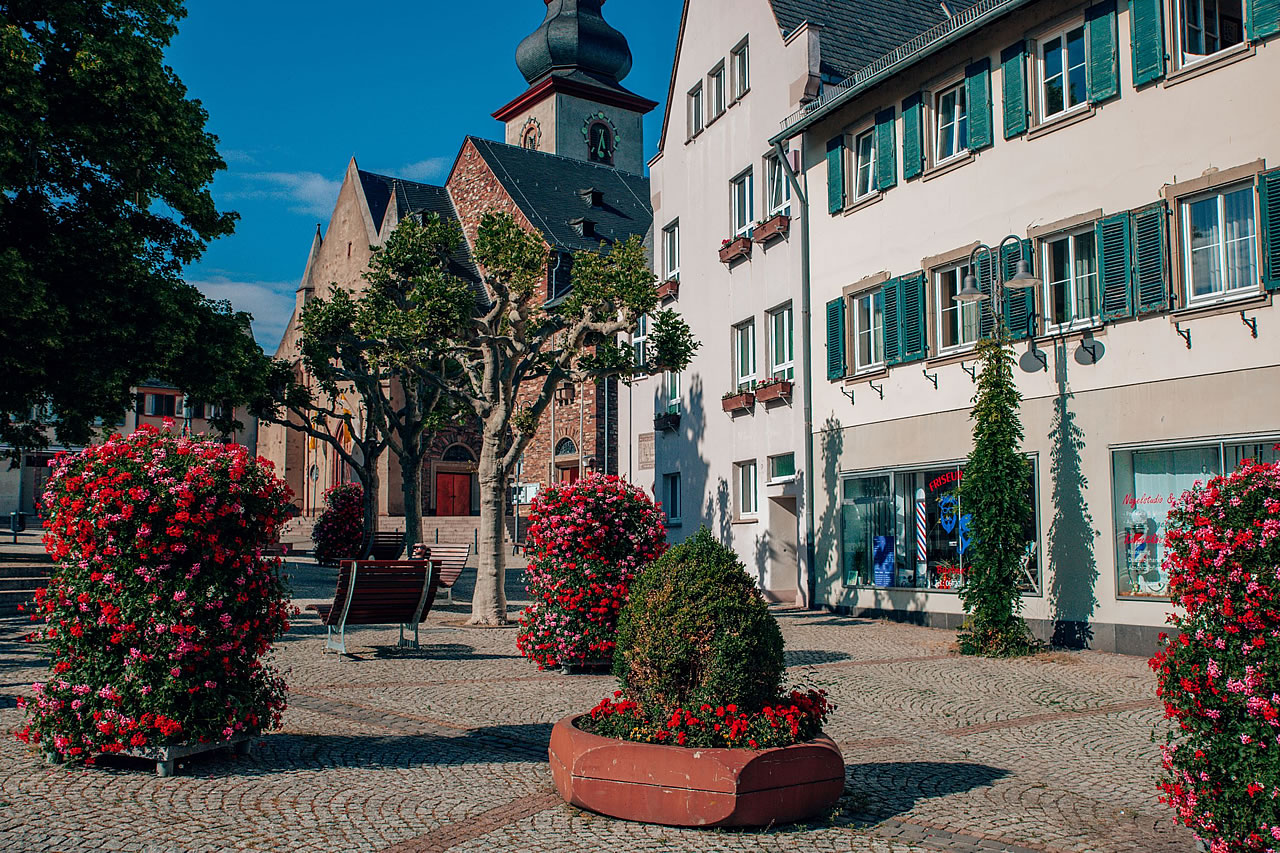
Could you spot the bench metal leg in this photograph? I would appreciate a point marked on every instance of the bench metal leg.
(412, 644)
(341, 646)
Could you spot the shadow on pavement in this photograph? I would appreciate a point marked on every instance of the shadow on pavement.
(812, 657)
(882, 790)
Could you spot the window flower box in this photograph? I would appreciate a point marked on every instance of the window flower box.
(669, 289)
(734, 249)
(738, 401)
(777, 389)
(776, 226)
(666, 422)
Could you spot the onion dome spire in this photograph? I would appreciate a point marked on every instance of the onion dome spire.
(574, 38)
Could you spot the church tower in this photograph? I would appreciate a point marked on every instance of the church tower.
(575, 105)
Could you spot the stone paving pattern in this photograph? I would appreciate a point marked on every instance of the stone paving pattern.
(444, 748)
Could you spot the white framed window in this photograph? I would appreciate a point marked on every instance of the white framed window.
(671, 250)
(741, 194)
(778, 191)
(1206, 27)
(639, 340)
(744, 355)
(741, 62)
(747, 489)
(162, 405)
(671, 496)
(1070, 264)
(951, 118)
(782, 344)
(696, 116)
(864, 170)
(868, 330)
(716, 88)
(1063, 72)
(782, 468)
(671, 390)
(1219, 243)
(958, 322)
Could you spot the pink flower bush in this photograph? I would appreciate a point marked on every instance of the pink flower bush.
(339, 529)
(161, 606)
(1220, 677)
(588, 539)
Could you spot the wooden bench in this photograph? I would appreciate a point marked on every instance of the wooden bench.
(450, 559)
(379, 592)
(387, 545)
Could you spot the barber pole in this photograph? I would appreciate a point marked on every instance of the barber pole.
(922, 526)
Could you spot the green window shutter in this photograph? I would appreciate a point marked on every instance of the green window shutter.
(1269, 196)
(1264, 18)
(912, 136)
(1150, 253)
(1013, 76)
(886, 149)
(1146, 25)
(835, 339)
(1113, 242)
(1104, 52)
(986, 308)
(1019, 303)
(915, 340)
(977, 90)
(892, 321)
(835, 174)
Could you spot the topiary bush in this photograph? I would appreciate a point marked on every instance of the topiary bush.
(1220, 676)
(339, 529)
(588, 541)
(699, 659)
(161, 606)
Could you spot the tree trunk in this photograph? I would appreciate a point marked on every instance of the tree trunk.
(411, 482)
(370, 485)
(489, 601)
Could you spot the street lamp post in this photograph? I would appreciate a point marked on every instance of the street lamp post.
(1020, 280)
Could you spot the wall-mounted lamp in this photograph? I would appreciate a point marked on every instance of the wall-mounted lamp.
(931, 377)
(565, 394)
(592, 464)
(1251, 322)
(1090, 351)
(1034, 359)
(1184, 333)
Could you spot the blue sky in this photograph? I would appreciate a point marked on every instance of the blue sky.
(295, 89)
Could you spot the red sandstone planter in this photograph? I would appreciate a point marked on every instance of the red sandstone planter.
(677, 786)
(775, 226)
(773, 391)
(669, 289)
(743, 401)
(735, 249)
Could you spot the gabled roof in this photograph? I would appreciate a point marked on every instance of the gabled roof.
(857, 32)
(549, 190)
(412, 197)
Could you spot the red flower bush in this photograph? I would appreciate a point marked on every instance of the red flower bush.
(161, 606)
(339, 529)
(1220, 677)
(588, 539)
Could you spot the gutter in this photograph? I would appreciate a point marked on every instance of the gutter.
(810, 587)
(927, 43)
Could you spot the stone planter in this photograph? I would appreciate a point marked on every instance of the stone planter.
(773, 391)
(735, 249)
(678, 786)
(742, 401)
(166, 757)
(666, 422)
(772, 228)
(669, 289)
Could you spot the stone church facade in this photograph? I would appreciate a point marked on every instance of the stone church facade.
(570, 170)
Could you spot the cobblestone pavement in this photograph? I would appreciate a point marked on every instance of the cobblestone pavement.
(445, 749)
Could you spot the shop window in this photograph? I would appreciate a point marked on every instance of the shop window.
(908, 529)
(1146, 483)
(958, 322)
(1071, 279)
(1219, 244)
(864, 149)
(1063, 72)
(952, 117)
(1208, 26)
(782, 345)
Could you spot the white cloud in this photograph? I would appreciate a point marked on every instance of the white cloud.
(270, 303)
(311, 193)
(429, 169)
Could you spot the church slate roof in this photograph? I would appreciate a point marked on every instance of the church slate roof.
(855, 33)
(412, 197)
(548, 190)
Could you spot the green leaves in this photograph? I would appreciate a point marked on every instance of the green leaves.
(511, 255)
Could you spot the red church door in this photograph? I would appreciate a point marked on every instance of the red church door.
(453, 494)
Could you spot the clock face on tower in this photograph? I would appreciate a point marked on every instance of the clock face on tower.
(602, 139)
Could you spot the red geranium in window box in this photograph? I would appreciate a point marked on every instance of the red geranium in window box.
(735, 248)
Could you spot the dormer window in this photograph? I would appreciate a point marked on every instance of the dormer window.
(591, 197)
(584, 227)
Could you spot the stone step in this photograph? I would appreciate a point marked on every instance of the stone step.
(24, 584)
(11, 598)
(27, 570)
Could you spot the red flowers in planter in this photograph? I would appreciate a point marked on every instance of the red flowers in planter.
(1220, 676)
(588, 539)
(340, 528)
(161, 607)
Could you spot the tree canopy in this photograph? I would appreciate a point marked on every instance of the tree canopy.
(105, 168)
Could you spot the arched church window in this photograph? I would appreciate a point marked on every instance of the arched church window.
(566, 447)
(530, 138)
(459, 453)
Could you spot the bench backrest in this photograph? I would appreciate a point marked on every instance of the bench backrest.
(384, 592)
(450, 559)
(387, 545)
